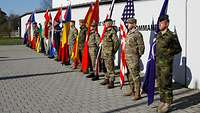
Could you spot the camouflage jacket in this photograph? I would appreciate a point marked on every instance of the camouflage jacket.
(72, 35)
(82, 36)
(167, 45)
(134, 43)
(110, 43)
(93, 39)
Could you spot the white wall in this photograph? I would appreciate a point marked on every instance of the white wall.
(193, 42)
(145, 12)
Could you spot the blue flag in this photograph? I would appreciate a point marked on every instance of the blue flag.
(150, 74)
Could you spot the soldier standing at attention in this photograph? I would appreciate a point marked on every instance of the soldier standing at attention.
(82, 37)
(110, 44)
(134, 50)
(93, 43)
(167, 45)
(72, 37)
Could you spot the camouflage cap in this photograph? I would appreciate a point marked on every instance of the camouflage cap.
(81, 20)
(163, 17)
(132, 20)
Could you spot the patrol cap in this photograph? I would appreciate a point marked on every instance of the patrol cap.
(81, 20)
(163, 17)
(132, 20)
(108, 20)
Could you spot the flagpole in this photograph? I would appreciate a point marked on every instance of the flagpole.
(111, 8)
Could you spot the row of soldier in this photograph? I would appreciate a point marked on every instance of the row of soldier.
(167, 46)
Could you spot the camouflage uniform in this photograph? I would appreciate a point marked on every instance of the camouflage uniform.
(72, 37)
(167, 45)
(134, 49)
(107, 54)
(81, 41)
(93, 43)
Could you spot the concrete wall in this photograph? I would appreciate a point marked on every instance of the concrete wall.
(147, 12)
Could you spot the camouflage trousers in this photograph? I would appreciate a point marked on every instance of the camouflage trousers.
(109, 64)
(133, 72)
(92, 58)
(164, 82)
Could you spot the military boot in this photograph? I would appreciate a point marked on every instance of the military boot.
(111, 85)
(164, 108)
(106, 81)
(130, 91)
(137, 95)
(160, 106)
(95, 78)
(90, 75)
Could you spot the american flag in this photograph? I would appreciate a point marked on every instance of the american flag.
(127, 13)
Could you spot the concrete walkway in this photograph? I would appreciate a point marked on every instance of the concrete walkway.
(32, 83)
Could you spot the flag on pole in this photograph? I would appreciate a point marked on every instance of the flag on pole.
(46, 29)
(57, 20)
(150, 74)
(127, 13)
(32, 30)
(93, 18)
(109, 15)
(89, 15)
(66, 28)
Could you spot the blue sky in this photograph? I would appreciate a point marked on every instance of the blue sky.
(19, 6)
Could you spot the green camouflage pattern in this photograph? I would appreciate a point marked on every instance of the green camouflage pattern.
(167, 45)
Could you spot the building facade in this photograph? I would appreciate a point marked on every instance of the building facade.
(183, 21)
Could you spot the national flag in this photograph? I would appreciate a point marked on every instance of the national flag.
(75, 55)
(32, 31)
(127, 13)
(109, 15)
(66, 28)
(150, 74)
(88, 15)
(95, 12)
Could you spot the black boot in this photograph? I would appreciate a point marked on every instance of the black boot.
(90, 75)
(111, 85)
(95, 78)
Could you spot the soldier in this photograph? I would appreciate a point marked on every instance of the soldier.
(72, 36)
(57, 37)
(110, 44)
(82, 36)
(92, 44)
(167, 45)
(134, 50)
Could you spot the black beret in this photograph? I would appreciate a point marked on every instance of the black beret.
(163, 17)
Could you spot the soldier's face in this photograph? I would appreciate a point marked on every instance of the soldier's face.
(130, 26)
(81, 24)
(163, 25)
(107, 24)
(72, 24)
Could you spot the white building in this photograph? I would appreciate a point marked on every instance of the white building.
(183, 18)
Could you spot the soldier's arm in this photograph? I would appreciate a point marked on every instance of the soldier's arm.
(140, 45)
(116, 42)
(176, 47)
(97, 38)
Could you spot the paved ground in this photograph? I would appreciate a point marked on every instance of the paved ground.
(32, 83)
